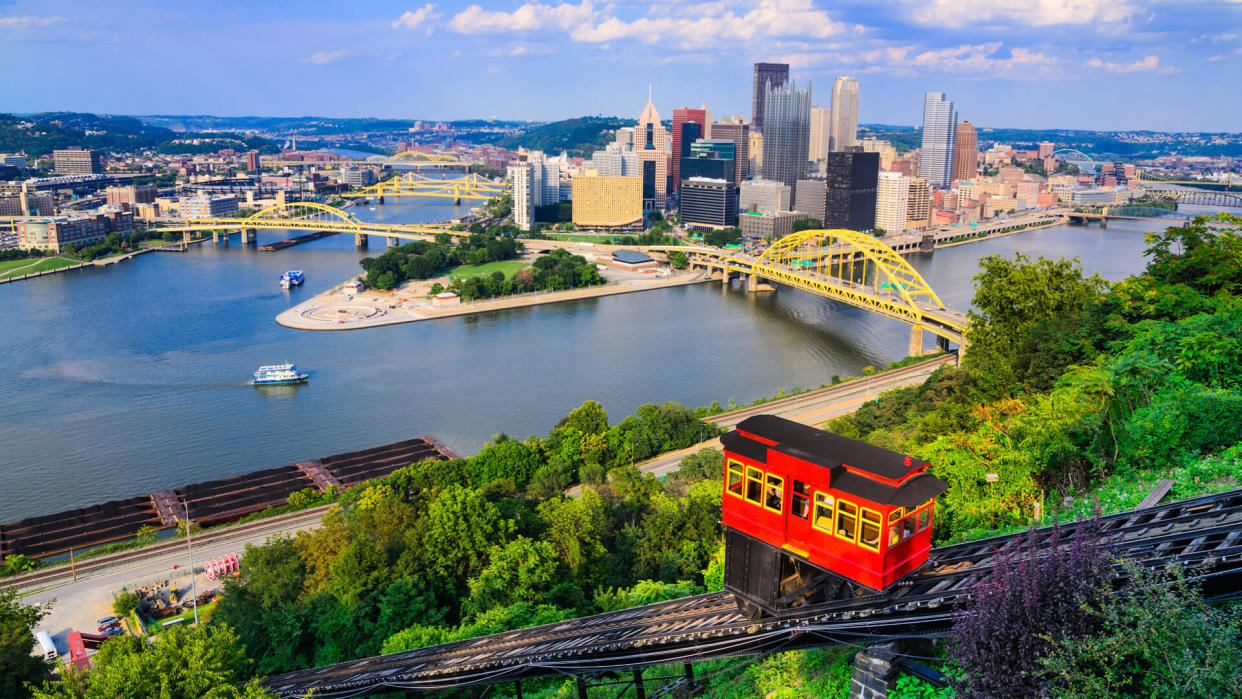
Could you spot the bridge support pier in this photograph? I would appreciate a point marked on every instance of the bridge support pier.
(379, 200)
(874, 673)
(1104, 222)
(185, 238)
(916, 341)
(360, 240)
(754, 283)
(249, 236)
(215, 237)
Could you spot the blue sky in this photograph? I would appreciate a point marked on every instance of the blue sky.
(1097, 64)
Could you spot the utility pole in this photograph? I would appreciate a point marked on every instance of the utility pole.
(190, 550)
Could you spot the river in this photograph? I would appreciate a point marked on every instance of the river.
(132, 378)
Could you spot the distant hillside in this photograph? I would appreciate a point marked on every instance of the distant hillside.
(55, 130)
(579, 136)
(308, 125)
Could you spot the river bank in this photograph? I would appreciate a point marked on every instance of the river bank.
(337, 310)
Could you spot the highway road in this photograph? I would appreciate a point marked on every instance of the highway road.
(77, 604)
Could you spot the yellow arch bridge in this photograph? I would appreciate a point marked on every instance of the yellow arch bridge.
(412, 184)
(310, 217)
(845, 266)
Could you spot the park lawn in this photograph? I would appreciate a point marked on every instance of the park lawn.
(509, 267)
(16, 268)
(582, 238)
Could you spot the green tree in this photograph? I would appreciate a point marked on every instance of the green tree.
(18, 666)
(805, 224)
(125, 603)
(459, 530)
(183, 662)
(678, 260)
(522, 570)
(1011, 296)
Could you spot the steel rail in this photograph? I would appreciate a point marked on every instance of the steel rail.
(1203, 532)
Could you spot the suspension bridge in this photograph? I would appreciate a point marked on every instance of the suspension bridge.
(846, 266)
(413, 184)
(310, 217)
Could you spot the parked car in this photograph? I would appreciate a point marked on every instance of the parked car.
(104, 628)
(113, 631)
(108, 620)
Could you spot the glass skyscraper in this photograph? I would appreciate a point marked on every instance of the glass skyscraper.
(786, 133)
(939, 138)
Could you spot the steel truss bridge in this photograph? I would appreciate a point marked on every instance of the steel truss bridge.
(845, 266)
(1128, 211)
(412, 184)
(311, 217)
(1182, 195)
(1204, 534)
(415, 159)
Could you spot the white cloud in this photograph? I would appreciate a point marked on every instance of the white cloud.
(321, 57)
(28, 21)
(1148, 63)
(981, 58)
(1037, 13)
(529, 17)
(689, 26)
(521, 49)
(417, 18)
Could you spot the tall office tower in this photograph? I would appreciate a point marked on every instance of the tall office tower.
(939, 137)
(821, 134)
(739, 133)
(786, 133)
(709, 202)
(614, 161)
(712, 158)
(765, 196)
(844, 131)
(684, 135)
(851, 181)
(966, 152)
(522, 182)
(756, 153)
(892, 202)
(252, 161)
(766, 74)
(649, 138)
(707, 121)
(918, 204)
(1046, 149)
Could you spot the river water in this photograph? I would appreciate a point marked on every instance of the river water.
(133, 378)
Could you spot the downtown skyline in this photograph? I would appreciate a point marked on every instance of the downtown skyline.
(1075, 64)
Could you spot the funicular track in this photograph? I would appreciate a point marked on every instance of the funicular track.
(1203, 533)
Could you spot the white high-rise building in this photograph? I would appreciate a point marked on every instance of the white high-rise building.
(844, 130)
(821, 134)
(892, 202)
(521, 181)
(939, 139)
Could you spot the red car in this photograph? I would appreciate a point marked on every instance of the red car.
(812, 516)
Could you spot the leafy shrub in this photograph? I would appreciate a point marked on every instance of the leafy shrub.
(1036, 597)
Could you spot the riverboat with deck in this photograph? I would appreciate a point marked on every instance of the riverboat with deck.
(278, 374)
(293, 277)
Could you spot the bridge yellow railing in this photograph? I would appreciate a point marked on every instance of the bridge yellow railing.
(846, 266)
(411, 184)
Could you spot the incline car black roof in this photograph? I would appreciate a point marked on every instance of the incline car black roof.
(827, 449)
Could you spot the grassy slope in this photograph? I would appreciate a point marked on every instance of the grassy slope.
(509, 267)
(17, 268)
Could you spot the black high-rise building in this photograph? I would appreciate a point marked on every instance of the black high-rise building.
(774, 74)
(711, 158)
(709, 202)
(845, 197)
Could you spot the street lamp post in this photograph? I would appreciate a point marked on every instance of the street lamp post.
(190, 551)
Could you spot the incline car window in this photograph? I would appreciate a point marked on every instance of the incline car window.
(823, 512)
(734, 482)
(801, 505)
(869, 532)
(847, 520)
(754, 484)
(774, 493)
